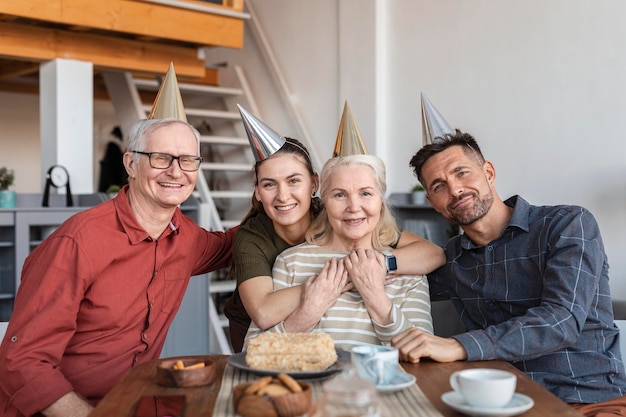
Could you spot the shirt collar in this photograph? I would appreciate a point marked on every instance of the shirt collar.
(521, 213)
(129, 223)
(518, 220)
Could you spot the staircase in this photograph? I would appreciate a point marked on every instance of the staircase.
(224, 188)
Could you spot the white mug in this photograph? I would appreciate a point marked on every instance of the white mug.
(377, 363)
(483, 387)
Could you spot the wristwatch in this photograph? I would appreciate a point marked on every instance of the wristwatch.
(390, 260)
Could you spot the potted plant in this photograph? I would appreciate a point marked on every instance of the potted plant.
(7, 197)
(418, 195)
(113, 190)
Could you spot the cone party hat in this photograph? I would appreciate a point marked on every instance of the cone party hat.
(264, 141)
(349, 140)
(168, 102)
(433, 124)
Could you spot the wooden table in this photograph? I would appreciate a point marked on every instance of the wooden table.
(432, 378)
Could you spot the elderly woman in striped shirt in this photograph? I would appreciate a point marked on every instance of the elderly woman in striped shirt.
(343, 250)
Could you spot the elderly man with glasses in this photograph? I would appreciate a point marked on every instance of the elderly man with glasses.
(98, 296)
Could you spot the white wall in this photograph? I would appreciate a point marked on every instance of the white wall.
(20, 139)
(539, 84)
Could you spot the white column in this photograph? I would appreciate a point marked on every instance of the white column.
(66, 119)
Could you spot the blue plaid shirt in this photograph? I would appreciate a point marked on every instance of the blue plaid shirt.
(539, 297)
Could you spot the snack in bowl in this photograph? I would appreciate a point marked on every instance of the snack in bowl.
(185, 372)
(291, 352)
(282, 396)
(178, 365)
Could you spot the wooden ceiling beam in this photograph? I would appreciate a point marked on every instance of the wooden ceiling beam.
(17, 69)
(135, 17)
(26, 42)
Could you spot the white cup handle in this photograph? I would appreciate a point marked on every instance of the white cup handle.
(454, 381)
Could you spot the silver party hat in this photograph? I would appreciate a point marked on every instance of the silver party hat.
(349, 140)
(264, 141)
(168, 102)
(433, 123)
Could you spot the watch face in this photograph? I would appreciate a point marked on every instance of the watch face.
(392, 264)
(59, 176)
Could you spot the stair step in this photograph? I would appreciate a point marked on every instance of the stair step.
(223, 320)
(230, 223)
(225, 166)
(223, 140)
(151, 84)
(231, 194)
(222, 286)
(210, 114)
(213, 114)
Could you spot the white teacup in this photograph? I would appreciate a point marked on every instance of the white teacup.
(486, 388)
(377, 363)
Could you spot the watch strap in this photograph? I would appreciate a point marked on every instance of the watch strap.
(390, 261)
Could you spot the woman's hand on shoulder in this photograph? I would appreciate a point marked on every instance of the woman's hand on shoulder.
(319, 293)
(326, 286)
(366, 269)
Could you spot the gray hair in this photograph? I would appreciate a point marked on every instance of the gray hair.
(141, 129)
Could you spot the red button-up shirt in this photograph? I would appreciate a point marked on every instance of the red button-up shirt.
(96, 297)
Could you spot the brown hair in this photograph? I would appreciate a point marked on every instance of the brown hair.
(440, 144)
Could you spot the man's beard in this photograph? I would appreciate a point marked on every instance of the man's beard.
(468, 216)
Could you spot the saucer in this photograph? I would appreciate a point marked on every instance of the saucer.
(518, 404)
(400, 381)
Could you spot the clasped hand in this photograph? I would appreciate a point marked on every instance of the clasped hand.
(366, 270)
(362, 269)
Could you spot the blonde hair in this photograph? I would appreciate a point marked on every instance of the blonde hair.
(386, 232)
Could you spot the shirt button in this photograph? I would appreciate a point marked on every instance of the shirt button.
(489, 248)
(145, 336)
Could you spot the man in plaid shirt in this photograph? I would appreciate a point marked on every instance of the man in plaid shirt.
(530, 283)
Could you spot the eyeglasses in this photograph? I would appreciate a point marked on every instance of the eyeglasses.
(160, 160)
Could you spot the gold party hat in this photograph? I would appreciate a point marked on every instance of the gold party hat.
(264, 141)
(433, 123)
(349, 140)
(168, 102)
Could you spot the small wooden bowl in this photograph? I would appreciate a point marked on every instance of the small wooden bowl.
(184, 378)
(286, 405)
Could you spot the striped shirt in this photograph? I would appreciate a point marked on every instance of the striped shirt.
(539, 297)
(348, 321)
